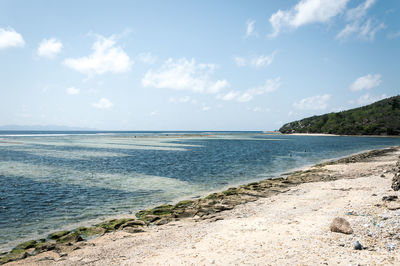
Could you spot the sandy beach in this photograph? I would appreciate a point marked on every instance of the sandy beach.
(288, 228)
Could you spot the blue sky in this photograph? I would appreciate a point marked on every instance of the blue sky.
(193, 65)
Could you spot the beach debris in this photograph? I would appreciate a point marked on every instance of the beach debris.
(389, 198)
(391, 247)
(358, 246)
(340, 225)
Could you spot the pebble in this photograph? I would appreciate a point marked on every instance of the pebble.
(358, 246)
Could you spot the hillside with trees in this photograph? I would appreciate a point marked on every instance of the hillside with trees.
(379, 118)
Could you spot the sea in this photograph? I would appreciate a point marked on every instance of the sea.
(53, 180)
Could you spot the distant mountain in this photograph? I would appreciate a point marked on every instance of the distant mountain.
(379, 118)
(43, 128)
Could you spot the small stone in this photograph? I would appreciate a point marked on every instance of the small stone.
(340, 225)
(389, 198)
(358, 246)
(382, 175)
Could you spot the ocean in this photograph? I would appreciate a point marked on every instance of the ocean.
(60, 180)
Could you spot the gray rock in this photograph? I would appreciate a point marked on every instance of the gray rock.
(340, 225)
(358, 246)
(396, 182)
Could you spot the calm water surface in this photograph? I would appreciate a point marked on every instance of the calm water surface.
(52, 181)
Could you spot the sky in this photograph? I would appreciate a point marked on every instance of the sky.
(193, 65)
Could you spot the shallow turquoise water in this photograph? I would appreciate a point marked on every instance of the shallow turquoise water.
(54, 181)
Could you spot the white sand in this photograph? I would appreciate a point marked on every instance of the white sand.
(287, 229)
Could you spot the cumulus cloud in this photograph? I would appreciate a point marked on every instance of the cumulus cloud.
(358, 25)
(366, 82)
(147, 58)
(105, 57)
(368, 98)
(256, 61)
(10, 38)
(393, 35)
(240, 61)
(103, 103)
(184, 99)
(49, 48)
(184, 75)
(306, 12)
(250, 28)
(317, 102)
(269, 86)
(73, 91)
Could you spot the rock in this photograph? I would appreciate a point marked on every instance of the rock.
(340, 225)
(57, 235)
(70, 238)
(358, 246)
(88, 232)
(393, 206)
(382, 175)
(46, 246)
(134, 230)
(188, 212)
(113, 224)
(389, 198)
(26, 245)
(133, 223)
(162, 221)
(396, 182)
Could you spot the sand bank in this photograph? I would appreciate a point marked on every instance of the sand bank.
(290, 226)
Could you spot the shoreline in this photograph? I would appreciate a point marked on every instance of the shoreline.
(201, 209)
(336, 135)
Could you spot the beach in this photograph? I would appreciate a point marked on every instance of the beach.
(290, 226)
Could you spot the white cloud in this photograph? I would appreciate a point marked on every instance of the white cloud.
(257, 62)
(262, 60)
(185, 75)
(393, 35)
(147, 58)
(240, 61)
(229, 96)
(184, 99)
(366, 82)
(106, 57)
(10, 38)
(269, 86)
(258, 109)
(103, 103)
(318, 102)
(155, 113)
(367, 99)
(358, 26)
(72, 91)
(250, 28)
(49, 48)
(305, 12)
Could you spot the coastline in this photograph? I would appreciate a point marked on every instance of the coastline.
(336, 135)
(205, 210)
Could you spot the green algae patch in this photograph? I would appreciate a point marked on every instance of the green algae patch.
(70, 238)
(184, 203)
(88, 232)
(57, 235)
(230, 191)
(26, 245)
(114, 224)
(162, 210)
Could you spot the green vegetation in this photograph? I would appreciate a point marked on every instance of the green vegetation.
(379, 118)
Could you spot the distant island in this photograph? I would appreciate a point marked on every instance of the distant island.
(379, 118)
